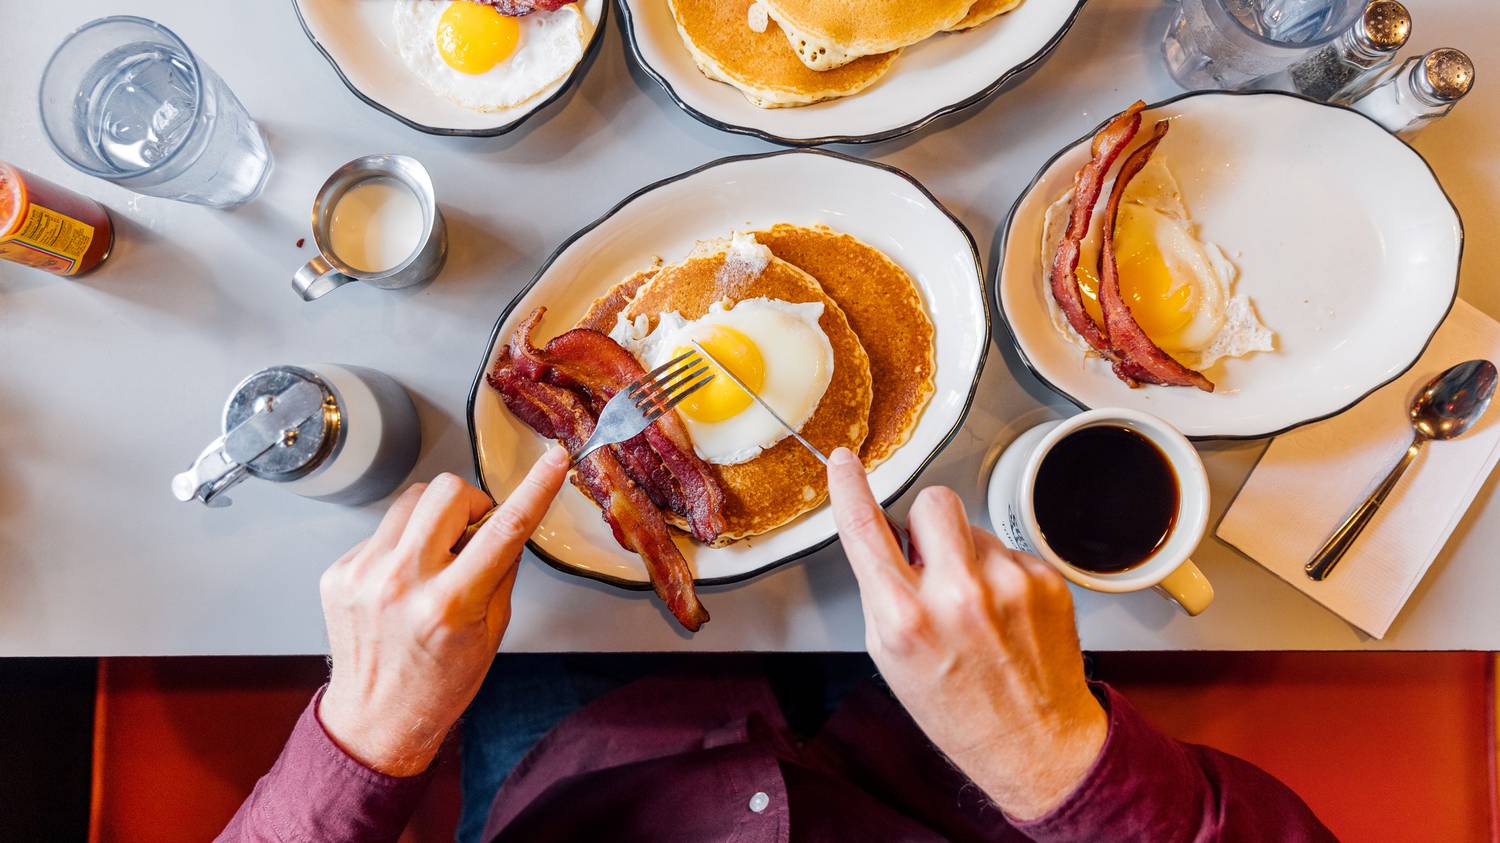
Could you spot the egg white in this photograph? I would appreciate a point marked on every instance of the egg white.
(551, 44)
(798, 368)
(1223, 323)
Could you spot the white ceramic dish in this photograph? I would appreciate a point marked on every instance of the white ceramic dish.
(878, 204)
(358, 39)
(1345, 242)
(946, 73)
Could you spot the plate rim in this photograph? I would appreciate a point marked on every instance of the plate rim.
(576, 74)
(998, 248)
(942, 445)
(632, 48)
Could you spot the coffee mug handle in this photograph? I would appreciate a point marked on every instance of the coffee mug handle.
(1188, 588)
(317, 278)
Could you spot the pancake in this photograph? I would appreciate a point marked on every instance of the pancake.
(602, 313)
(829, 33)
(884, 307)
(984, 11)
(785, 481)
(760, 64)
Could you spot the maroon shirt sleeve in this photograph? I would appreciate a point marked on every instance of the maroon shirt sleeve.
(316, 793)
(1146, 786)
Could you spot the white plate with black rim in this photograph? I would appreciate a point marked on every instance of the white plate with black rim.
(1344, 240)
(876, 203)
(942, 75)
(358, 39)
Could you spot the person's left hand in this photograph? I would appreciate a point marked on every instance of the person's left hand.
(412, 629)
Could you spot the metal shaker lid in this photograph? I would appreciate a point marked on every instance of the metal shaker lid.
(1446, 75)
(279, 424)
(1384, 26)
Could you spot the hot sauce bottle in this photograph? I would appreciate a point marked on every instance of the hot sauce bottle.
(50, 227)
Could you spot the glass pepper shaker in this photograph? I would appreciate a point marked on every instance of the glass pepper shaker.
(1360, 51)
(1405, 100)
(342, 434)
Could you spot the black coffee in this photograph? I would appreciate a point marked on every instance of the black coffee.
(1105, 498)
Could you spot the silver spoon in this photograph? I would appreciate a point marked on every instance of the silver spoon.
(1445, 408)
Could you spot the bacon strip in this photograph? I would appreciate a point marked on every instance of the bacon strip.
(1136, 358)
(1087, 184)
(517, 8)
(661, 459)
(556, 413)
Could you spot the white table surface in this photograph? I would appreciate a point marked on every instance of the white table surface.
(112, 383)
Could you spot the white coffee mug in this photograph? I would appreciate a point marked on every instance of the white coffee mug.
(1168, 569)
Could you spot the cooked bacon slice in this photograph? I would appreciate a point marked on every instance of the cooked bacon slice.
(661, 459)
(1108, 143)
(517, 8)
(558, 414)
(1136, 358)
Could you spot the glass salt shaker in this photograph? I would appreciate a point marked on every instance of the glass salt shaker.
(1405, 100)
(1228, 44)
(1359, 52)
(342, 434)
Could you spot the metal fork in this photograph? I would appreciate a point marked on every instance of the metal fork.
(647, 399)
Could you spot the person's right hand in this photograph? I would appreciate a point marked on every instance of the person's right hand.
(978, 643)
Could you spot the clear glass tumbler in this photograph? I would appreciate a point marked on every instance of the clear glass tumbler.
(1226, 44)
(124, 99)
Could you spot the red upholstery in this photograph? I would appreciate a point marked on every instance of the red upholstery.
(1385, 747)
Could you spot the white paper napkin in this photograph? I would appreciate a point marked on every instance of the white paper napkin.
(1309, 479)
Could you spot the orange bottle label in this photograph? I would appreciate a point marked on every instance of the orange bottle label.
(48, 240)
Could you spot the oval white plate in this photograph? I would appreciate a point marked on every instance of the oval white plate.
(878, 204)
(358, 39)
(946, 73)
(1345, 242)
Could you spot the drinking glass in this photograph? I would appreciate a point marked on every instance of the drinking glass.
(124, 99)
(1226, 44)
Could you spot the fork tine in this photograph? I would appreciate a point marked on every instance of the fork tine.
(651, 377)
(666, 390)
(651, 390)
(660, 410)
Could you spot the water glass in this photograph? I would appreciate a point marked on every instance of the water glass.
(124, 99)
(1226, 44)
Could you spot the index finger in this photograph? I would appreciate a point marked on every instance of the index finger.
(872, 550)
(483, 563)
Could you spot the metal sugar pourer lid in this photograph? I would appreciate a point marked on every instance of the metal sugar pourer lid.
(1446, 75)
(279, 425)
(1384, 26)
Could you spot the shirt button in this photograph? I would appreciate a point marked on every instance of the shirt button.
(759, 801)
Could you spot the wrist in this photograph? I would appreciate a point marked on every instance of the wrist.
(383, 743)
(1048, 768)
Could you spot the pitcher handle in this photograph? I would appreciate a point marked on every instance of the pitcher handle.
(317, 278)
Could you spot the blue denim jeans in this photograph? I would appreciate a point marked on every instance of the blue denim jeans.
(524, 696)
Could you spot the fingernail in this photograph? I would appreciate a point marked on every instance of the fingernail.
(842, 456)
(556, 455)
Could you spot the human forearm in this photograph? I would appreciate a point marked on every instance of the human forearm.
(316, 791)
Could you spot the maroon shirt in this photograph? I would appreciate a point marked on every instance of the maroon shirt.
(670, 759)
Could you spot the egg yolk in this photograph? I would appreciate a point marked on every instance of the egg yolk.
(473, 38)
(722, 399)
(1161, 308)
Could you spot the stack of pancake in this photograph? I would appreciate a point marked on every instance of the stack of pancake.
(782, 53)
(875, 320)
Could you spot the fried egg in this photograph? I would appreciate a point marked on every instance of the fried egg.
(776, 347)
(1180, 288)
(483, 60)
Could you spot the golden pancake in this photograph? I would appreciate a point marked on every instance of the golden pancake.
(828, 33)
(983, 11)
(602, 313)
(761, 64)
(884, 307)
(785, 480)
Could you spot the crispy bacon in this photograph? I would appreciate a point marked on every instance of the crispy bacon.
(1108, 143)
(557, 413)
(661, 459)
(1136, 358)
(517, 8)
